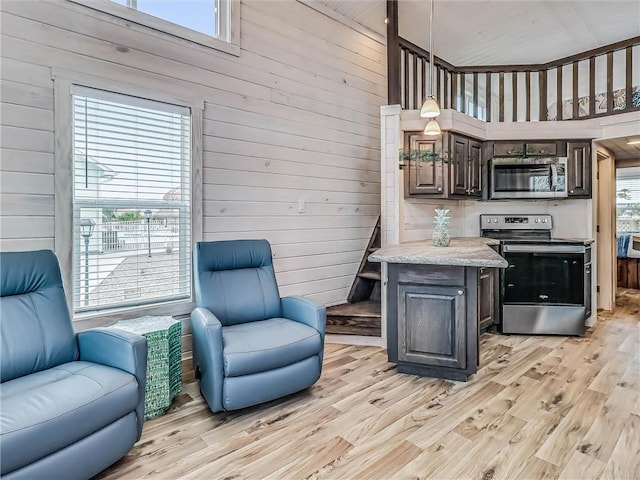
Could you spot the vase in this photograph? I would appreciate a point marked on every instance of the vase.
(441, 236)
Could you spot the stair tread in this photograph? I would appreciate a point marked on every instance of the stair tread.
(368, 308)
(370, 275)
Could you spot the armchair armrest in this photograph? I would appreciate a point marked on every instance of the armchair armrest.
(305, 310)
(119, 349)
(207, 355)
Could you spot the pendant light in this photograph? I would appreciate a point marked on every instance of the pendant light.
(430, 108)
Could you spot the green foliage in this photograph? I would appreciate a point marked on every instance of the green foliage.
(128, 216)
(108, 213)
(421, 155)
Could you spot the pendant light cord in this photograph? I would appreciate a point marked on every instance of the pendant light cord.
(431, 56)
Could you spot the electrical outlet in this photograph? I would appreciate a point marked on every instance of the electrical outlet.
(302, 205)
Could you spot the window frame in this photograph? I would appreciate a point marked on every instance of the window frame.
(63, 185)
(141, 20)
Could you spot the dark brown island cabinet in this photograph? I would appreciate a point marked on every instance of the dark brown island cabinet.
(435, 312)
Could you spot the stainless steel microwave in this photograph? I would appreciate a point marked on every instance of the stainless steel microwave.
(528, 177)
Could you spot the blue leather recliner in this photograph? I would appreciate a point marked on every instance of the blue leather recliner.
(249, 345)
(70, 405)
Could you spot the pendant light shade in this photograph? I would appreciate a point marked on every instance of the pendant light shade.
(430, 108)
(432, 128)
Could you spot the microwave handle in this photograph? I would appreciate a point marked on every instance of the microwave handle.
(554, 177)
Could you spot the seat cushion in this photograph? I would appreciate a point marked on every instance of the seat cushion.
(51, 409)
(259, 346)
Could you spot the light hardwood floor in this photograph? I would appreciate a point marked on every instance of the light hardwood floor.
(539, 407)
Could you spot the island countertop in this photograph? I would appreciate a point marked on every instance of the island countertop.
(462, 251)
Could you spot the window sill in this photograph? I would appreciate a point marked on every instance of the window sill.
(105, 318)
(141, 20)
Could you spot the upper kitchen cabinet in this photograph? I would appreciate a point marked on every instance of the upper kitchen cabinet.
(465, 160)
(579, 169)
(438, 174)
(424, 169)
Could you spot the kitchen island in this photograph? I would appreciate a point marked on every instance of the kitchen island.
(437, 299)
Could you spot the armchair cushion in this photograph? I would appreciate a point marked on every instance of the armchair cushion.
(36, 328)
(47, 411)
(228, 272)
(268, 344)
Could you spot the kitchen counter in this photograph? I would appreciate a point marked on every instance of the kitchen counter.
(437, 300)
(462, 251)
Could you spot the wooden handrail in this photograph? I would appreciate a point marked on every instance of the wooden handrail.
(459, 88)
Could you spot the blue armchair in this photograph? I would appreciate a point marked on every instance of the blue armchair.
(249, 345)
(70, 405)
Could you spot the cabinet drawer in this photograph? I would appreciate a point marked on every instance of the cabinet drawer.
(508, 149)
(541, 149)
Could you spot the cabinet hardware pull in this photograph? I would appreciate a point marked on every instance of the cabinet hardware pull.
(460, 292)
(439, 189)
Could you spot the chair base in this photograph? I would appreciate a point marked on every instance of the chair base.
(248, 390)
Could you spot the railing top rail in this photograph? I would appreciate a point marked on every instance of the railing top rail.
(612, 47)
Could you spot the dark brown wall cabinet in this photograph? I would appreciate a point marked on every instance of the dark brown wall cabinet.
(579, 169)
(456, 176)
(424, 177)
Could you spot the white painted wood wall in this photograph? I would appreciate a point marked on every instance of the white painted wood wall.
(295, 117)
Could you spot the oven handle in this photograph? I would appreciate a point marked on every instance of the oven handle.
(543, 248)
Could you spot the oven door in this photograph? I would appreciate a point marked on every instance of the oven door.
(518, 178)
(544, 274)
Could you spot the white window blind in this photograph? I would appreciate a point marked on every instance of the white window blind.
(131, 200)
(628, 200)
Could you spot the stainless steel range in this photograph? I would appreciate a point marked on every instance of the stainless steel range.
(546, 289)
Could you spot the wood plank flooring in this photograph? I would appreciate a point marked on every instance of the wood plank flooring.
(539, 407)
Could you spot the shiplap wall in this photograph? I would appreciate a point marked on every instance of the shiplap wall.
(294, 118)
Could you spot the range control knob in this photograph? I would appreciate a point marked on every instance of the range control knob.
(544, 220)
(537, 220)
(495, 219)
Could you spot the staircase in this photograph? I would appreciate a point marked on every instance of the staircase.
(361, 314)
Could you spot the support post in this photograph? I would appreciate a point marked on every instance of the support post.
(393, 53)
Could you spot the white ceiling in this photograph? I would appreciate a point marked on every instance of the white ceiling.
(506, 32)
(476, 32)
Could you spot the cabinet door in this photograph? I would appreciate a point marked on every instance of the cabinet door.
(432, 325)
(458, 165)
(579, 169)
(424, 177)
(486, 294)
(475, 167)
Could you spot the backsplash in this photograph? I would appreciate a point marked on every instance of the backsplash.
(571, 218)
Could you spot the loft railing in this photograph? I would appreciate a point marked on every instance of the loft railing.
(600, 82)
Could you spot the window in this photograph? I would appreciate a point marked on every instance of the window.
(628, 200)
(214, 23)
(131, 200)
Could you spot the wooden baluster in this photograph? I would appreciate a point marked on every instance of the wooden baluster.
(488, 96)
(576, 105)
(501, 96)
(475, 94)
(628, 79)
(559, 93)
(454, 91)
(415, 82)
(406, 79)
(609, 82)
(592, 86)
(527, 86)
(542, 87)
(514, 96)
